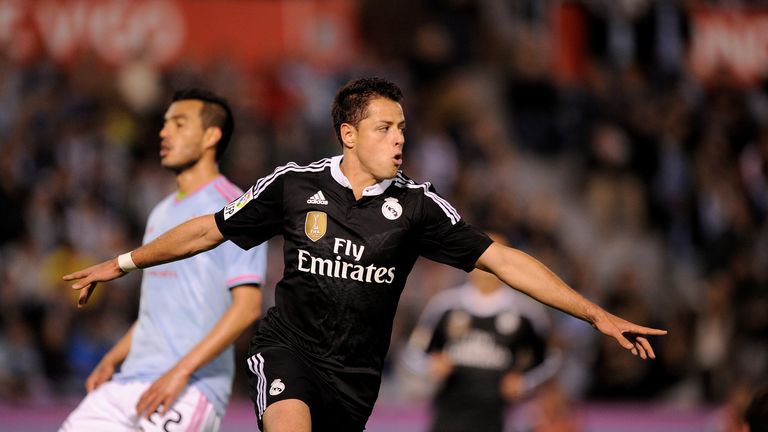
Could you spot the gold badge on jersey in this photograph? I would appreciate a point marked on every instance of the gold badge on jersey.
(315, 225)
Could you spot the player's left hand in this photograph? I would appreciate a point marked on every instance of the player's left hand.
(88, 278)
(101, 373)
(162, 394)
(629, 335)
(512, 386)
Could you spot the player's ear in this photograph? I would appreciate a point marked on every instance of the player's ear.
(211, 137)
(348, 135)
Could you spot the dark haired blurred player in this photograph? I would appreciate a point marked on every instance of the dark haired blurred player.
(486, 346)
(176, 362)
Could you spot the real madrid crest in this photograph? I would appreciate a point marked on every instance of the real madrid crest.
(391, 209)
(315, 225)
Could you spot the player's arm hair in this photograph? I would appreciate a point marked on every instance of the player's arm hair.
(526, 274)
(190, 238)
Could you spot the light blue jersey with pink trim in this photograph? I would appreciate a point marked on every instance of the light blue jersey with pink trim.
(182, 301)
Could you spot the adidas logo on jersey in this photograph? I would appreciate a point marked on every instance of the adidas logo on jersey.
(317, 198)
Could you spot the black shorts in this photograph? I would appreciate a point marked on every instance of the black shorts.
(276, 374)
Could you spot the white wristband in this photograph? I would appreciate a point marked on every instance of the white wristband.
(126, 262)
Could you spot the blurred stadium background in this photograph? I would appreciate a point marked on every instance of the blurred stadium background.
(624, 143)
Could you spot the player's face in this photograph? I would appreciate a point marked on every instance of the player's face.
(182, 135)
(380, 139)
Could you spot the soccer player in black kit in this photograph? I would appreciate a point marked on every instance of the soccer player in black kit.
(486, 346)
(353, 226)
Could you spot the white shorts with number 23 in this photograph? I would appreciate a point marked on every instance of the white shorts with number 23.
(112, 408)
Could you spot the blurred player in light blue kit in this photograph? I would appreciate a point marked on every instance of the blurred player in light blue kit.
(176, 363)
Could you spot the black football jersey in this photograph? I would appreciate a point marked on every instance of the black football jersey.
(484, 336)
(346, 260)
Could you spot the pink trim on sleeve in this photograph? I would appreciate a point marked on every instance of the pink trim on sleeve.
(228, 185)
(227, 196)
(249, 277)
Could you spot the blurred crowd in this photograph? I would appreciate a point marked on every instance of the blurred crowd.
(643, 187)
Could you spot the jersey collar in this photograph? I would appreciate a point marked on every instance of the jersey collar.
(341, 179)
(485, 305)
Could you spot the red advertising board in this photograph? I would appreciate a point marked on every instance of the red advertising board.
(165, 31)
(733, 41)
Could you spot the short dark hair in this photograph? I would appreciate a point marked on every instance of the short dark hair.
(756, 415)
(351, 102)
(215, 112)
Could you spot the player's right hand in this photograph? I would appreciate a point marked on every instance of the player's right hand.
(101, 373)
(512, 386)
(631, 336)
(440, 365)
(88, 278)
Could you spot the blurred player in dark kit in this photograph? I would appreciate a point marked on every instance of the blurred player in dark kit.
(486, 345)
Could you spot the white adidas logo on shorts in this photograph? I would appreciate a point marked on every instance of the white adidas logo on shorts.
(317, 198)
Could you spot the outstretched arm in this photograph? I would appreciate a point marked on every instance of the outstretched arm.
(190, 238)
(244, 310)
(526, 274)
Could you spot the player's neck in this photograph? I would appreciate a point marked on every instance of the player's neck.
(195, 177)
(358, 178)
(487, 290)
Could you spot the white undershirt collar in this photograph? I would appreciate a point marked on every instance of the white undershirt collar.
(372, 190)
